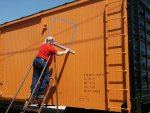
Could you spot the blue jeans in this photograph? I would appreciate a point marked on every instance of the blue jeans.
(38, 65)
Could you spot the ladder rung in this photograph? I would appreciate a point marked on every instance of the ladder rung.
(52, 77)
(111, 65)
(113, 13)
(116, 100)
(114, 29)
(118, 89)
(115, 19)
(115, 47)
(116, 53)
(116, 35)
(32, 108)
(110, 107)
(115, 82)
(116, 71)
(113, 2)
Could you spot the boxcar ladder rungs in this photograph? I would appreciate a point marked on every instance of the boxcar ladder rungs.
(108, 19)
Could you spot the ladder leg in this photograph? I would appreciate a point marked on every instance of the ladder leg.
(56, 94)
(56, 83)
(25, 104)
(19, 88)
(40, 109)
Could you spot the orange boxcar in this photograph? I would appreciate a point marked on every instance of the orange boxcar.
(95, 77)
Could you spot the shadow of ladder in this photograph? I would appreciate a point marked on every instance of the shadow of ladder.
(125, 90)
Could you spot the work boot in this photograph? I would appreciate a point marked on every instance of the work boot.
(40, 97)
(32, 100)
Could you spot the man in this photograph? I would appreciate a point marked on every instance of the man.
(47, 49)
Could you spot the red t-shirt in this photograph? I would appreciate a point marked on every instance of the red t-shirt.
(45, 51)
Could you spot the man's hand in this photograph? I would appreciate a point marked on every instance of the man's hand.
(67, 50)
(63, 52)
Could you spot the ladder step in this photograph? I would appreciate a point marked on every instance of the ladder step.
(114, 29)
(117, 82)
(115, 19)
(110, 107)
(52, 78)
(117, 89)
(32, 109)
(115, 47)
(116, 100)
(116, 53)
(113, 13)
(116, 71)
(113, 2)
(118, 35)
(111, 65)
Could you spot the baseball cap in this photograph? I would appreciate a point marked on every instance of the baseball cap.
(49, 38)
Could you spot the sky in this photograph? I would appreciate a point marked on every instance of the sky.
(14, 9)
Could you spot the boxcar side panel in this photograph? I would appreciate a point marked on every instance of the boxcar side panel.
(91, 78)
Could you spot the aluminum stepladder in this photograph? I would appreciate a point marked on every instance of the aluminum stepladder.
(123, 53)
(31, 95)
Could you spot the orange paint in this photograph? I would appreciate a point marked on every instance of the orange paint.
(95, 77)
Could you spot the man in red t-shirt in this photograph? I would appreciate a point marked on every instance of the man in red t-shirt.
(47, 49)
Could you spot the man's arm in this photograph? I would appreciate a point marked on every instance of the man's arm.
(59, 53)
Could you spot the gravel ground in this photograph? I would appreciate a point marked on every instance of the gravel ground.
(60, 111)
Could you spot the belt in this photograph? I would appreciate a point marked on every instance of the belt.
(41, 58)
